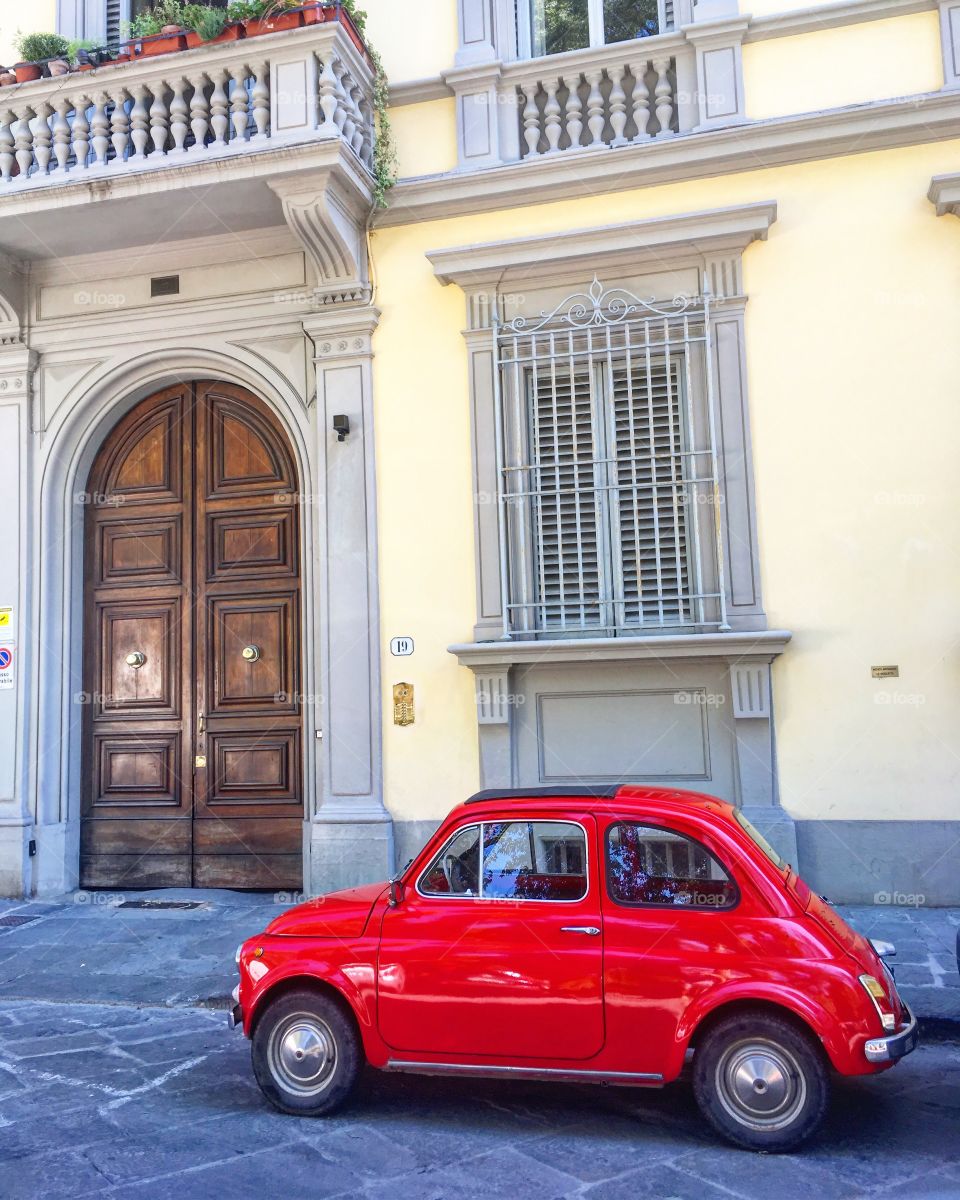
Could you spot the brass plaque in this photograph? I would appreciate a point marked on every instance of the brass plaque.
(403, 712)
(885, 672)
(200, 761)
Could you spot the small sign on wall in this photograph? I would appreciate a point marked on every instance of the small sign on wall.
(400, 647)
(8, 663)
(886, 672)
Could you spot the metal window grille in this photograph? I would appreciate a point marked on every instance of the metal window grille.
(607, 467)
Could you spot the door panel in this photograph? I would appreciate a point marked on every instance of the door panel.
(192, 761)
(471, 976)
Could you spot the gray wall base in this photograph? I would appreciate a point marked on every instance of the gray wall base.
(14, 863)
(899, 863)
(777, 826)
(410, 837)
(346, 854)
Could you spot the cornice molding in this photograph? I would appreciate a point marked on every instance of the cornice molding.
(931, 117)
(419, 91)
(944, 194)
(630, 246)
(760, 646)
(831, 16)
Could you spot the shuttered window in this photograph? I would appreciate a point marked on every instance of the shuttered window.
(608, 468)
(608, 500)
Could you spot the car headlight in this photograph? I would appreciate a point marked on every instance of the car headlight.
(874, 989)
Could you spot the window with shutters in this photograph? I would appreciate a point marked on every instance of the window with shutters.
(608, 468)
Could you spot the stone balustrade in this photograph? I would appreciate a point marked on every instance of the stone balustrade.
(613, 96)
(175, 109)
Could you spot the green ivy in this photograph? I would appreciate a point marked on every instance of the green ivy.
(385, 165)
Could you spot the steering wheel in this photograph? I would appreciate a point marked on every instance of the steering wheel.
(460, 878)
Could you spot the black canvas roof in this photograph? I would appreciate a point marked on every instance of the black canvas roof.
(586, 792)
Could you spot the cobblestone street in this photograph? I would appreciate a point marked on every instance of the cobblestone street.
(127, 1102)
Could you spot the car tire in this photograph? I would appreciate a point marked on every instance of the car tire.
(307, 1054)
(761, 1081)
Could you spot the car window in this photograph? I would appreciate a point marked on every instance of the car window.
(648, 865)
(456, 869)
(534, 860)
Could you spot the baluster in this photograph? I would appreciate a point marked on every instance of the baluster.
(663, 97)
(261, 100)
(327, 86)
(366, 145)
(531, 120)
(641, 103)
(120, 125)
(159, 119)
(61, 133)
(574, 111)
(7, 143)
(618, 109)
(100, 131)
(238, 103)
(40, 125)
(219, 109)
(344, 116)
(200, 115)
(179, 112)
(81, 132)
(551, 117)
(595, 121)
(140, 125)
(356, 96)
(24, 142)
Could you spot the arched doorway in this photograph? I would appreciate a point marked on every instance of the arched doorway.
(192, 744)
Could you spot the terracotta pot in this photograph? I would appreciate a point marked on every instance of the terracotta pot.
(284, 20)
(87, 66)
(354, 36)
(58, 66)
(232, 33)
(316, 14)
(161, 43)
(7, 77)
(27, 71)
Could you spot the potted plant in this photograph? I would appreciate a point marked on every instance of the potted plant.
(157, 31)
(206, 25)
(35, 49)
(274, 16)
(85, 55)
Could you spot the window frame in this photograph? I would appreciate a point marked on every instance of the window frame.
(614, 824)
(527, 25)
(506, 899)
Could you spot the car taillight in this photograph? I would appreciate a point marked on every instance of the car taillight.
(876, 992)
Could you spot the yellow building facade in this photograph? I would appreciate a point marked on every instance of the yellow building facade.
(648, 370)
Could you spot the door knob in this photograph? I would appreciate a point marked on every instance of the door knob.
(250, 653)
(136, 658)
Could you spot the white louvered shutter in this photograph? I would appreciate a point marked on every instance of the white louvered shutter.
(649, 501)
(567, 571)
(114, 16)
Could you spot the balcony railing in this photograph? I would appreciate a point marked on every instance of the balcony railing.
(218, 100)
(611, 95)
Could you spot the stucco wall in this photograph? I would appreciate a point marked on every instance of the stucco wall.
(39, 16)
(852, 365)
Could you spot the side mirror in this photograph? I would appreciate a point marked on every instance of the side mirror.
(396, 892)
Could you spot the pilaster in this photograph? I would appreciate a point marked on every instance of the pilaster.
(950, 41)
(718, 46)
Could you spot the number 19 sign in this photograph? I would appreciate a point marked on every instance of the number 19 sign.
(401, 647)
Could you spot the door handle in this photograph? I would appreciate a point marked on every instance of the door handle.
(200, 723)
(589, 930)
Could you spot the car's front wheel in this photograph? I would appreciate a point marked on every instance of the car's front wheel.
(307, 1055)
(761, 1081)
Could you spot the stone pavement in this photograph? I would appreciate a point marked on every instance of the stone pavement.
(89, 946)
(149, 1104)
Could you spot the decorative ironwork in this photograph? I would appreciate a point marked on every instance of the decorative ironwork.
(599, 306)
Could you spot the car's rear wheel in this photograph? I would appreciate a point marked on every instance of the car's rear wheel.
(761, 1081)
(306, 1053)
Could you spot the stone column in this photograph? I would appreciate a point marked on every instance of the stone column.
(351, 834)
(950, 41)
(718, 43)
(16, 822)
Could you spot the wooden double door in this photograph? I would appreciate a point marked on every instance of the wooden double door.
(193, 735)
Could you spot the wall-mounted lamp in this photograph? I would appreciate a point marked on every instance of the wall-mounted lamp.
(341, 427)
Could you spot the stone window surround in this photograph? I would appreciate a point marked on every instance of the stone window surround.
(711, 242)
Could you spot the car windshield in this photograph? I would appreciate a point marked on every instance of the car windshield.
(760, 840)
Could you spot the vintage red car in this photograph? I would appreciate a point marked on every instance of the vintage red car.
(584, 934)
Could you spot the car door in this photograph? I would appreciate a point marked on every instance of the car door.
(497, 948)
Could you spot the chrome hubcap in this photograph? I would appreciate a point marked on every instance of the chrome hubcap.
(760, 1084)
(303, 1054)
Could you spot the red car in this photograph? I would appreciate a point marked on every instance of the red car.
(586, 935)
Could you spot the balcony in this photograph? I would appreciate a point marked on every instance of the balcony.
(227, 132)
